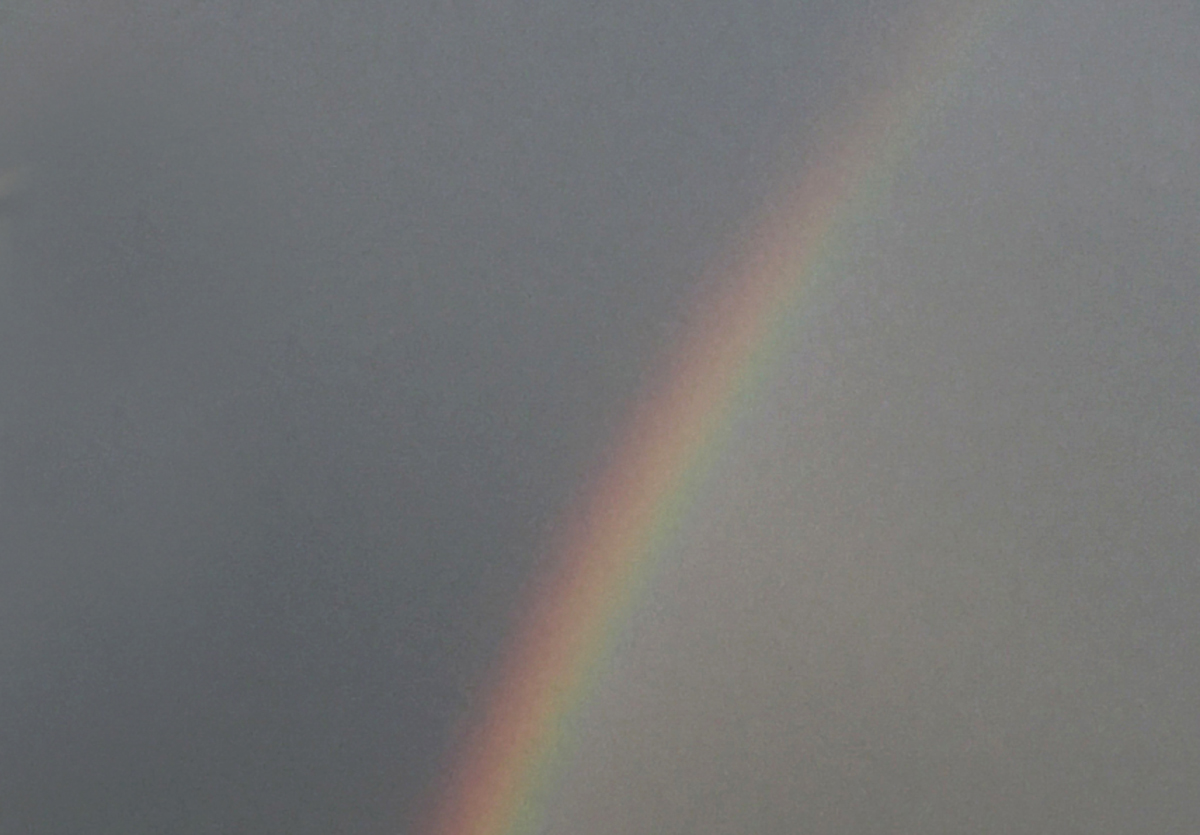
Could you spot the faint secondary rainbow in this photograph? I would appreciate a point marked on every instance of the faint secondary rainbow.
(499, 778)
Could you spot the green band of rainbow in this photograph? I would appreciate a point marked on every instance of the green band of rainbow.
(500, 778)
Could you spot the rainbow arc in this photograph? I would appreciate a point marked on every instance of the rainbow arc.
(502, 775)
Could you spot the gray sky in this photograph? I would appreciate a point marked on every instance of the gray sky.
(946, 578)
(318, 315)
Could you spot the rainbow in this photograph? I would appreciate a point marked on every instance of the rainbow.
(501, 775)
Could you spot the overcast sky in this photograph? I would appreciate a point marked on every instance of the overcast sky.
(316, 317)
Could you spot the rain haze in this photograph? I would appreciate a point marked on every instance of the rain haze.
(317, 319)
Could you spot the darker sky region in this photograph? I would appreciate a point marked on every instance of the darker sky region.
(316, 316)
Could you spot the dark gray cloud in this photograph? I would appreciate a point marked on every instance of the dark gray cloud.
(316, 316)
